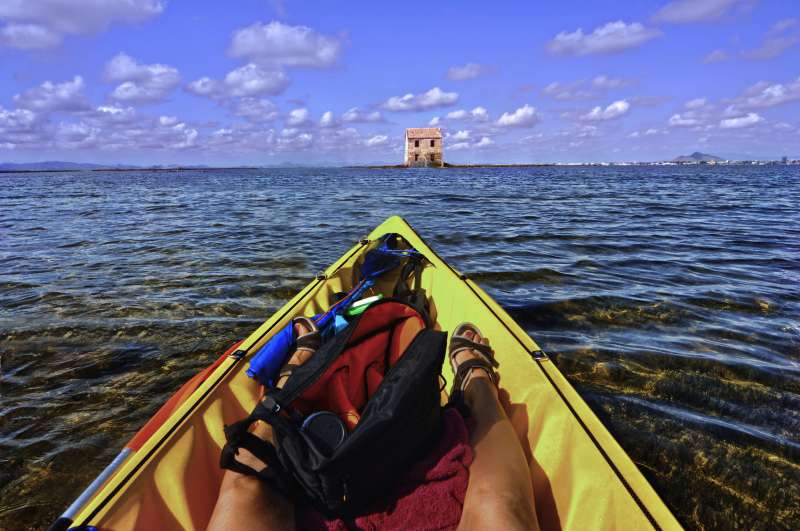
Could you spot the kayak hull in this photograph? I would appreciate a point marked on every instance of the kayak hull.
(582, 478)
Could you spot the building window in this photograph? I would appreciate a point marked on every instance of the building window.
(416, 143)
(432, 142)
(416, 157)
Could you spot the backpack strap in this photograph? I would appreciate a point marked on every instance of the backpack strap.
(415, 298)
(237, 435)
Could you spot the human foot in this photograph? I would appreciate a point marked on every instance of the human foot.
(472, 358)
(307, 342)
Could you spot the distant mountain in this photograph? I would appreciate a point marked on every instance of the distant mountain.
(50, 166)
(697, 157)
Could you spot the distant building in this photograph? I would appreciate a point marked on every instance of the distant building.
(785, 160)
(424, 147)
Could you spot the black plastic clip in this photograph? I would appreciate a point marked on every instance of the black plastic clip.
(238, 354)
(538, 355)
(321, 276)
(271, 404)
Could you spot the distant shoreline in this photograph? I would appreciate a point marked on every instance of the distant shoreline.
(402, 167)
(179, 168)
(583, 164)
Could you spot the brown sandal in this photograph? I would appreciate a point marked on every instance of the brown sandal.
(485, 361)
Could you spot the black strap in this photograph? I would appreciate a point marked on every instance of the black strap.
(415, 298)
(460, 342)
(467, 366)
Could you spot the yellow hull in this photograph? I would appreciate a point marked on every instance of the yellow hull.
(168, 477)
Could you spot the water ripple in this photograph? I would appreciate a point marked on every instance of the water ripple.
(667, 296)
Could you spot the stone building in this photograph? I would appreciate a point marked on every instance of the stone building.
(424, 147)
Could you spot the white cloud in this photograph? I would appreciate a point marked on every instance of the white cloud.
(683, 120)
(715, 56)
(566, 92)
(583, 90)
(777, 41)
(140, 83)
(28, 37)
(525, 116)
(610, 38)
(256, 110)
(377, 140)
(205, 86)
(468, 71)
(458, 146)
(607, 83)
(696, 103)
(292, 140)
(356, 115)
(684, 11)
(612, 111)
(16, 119)
(253, 80)
(327, 119)
(297, 117)
(119, 115)
(478, 114)
(764, 94)
(40, 24)
(461, 135)
(741, 121)
(648, 132)
(246, 81)
(432, 99)
(772, 47)
(21, 128)
(434, 121)
(49, 96)
(277, 45)
(484, 142)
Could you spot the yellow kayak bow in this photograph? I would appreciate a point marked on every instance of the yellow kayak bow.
(168, 475)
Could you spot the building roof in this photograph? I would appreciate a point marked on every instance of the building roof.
(423, 132)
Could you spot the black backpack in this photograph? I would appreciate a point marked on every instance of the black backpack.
(397, 412)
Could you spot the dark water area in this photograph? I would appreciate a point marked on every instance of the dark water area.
(669, 297)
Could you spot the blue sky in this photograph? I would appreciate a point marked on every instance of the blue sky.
(202, 82)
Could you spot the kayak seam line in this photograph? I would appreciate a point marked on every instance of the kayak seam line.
(586, 429)
(315, 283)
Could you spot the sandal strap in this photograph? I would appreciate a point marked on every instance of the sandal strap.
(465, 368)
(287, 370)
(310, 340)
(461, 343)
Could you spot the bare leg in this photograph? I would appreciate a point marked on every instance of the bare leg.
(246, 502)
(499, 493)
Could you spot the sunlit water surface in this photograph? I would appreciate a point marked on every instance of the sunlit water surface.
(669, 297)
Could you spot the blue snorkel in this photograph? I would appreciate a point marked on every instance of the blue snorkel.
(266, 363)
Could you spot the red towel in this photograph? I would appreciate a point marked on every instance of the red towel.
(429, 495)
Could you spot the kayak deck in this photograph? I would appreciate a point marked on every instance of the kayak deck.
(169, 475)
